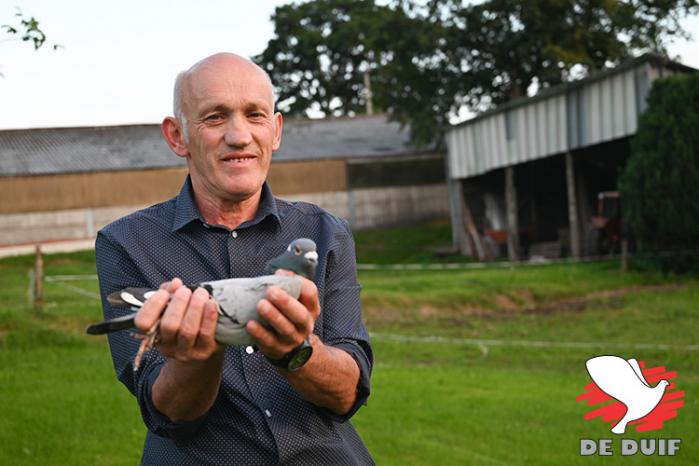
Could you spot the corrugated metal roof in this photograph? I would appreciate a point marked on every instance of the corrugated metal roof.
(71, 150)
(594, 110)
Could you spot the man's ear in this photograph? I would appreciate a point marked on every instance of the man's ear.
(278, 123)
(174, 137)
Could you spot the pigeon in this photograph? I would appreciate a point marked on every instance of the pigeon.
(623, 380)
(237, 298)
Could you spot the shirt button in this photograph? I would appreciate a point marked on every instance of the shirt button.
(234, 234)
(268, 413)
(249, 349)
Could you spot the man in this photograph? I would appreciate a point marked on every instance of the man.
(208, 404)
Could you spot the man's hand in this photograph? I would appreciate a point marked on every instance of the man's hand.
(291, 320)
(187, 321)
(329, 378)
(188, 383)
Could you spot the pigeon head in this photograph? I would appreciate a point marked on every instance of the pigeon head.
(300, 257)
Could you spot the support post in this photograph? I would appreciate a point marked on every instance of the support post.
(456, 208)
(512, 221)
(473, 233)
(38, 293)
(574, 223)
(584, 209)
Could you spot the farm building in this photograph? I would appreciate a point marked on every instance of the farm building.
(531, 177)
(66, 183)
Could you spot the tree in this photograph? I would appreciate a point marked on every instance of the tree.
(428, 59)
(325, 51)
(508, 45)
(658, 185)
(27, 30)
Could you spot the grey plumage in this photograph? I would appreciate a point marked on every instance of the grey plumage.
(237, 300)
(300, 257)
(237, 297)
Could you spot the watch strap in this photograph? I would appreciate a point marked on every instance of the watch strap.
(294, 359)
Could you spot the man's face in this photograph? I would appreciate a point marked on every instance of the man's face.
(231, 127)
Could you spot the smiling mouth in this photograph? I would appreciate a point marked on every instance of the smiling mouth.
(238, 159)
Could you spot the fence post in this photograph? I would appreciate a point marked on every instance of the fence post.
(38, 278)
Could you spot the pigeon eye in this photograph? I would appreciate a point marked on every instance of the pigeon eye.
(297, 250)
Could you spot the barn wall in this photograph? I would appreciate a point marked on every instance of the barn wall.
(81, 190)
(364, 208)
(76, 206)
(318, 176)
(146, 187)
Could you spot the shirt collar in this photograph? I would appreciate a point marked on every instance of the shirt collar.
(186, 210)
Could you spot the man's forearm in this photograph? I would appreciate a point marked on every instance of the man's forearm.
(329, 379)
(185, 391)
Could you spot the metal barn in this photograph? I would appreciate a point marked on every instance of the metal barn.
(523, 178)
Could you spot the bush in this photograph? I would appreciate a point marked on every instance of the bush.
(660, 182)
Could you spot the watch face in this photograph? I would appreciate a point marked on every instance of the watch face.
(300, 358)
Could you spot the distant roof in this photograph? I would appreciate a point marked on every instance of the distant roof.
(71, 150)
(598, 109)
(563, 88)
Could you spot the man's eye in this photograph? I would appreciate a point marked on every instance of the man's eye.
(214, 118)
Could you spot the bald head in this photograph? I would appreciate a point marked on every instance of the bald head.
(186, 81)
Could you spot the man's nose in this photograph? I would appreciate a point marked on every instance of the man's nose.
(237, 132)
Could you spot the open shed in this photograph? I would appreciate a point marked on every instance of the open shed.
(524, 178)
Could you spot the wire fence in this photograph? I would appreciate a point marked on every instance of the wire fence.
(63, 281)
(486, 265)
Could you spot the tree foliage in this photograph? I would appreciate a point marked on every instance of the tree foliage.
(26, 29)
(508, 45)
(428, 59)
(325, 50)
(658, 185)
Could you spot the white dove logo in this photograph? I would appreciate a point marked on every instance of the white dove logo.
(623, 380)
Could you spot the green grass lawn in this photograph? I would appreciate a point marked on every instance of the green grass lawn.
(434, 401)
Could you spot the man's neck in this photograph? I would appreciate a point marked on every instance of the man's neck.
(230, 213)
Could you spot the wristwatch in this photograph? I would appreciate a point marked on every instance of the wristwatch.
(296, 358)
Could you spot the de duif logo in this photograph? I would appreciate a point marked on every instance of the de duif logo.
(642, 397)
(628, 395)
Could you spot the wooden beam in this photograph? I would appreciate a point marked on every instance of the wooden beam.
(456, 209)
(573, 220)
(473, 234)
(584, 208)
(512, 221)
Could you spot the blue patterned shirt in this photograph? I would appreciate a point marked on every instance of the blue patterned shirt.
(258, 418)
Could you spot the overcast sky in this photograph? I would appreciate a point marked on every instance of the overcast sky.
(119, 58)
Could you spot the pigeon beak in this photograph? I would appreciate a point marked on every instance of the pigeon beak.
(311, 256)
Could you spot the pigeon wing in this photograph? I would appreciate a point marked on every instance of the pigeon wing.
(112, 325)
(237, 299)
(131, 297)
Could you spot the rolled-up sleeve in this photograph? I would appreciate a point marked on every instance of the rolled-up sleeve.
(343, 327)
